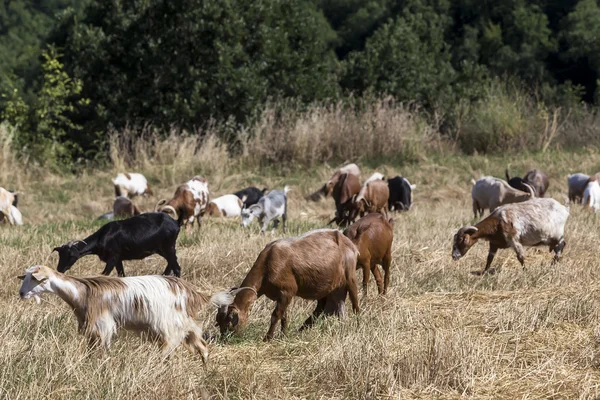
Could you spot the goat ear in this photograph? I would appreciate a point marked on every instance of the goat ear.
(244, 198)
(56, 249)
(39, 276)
(21, 277)
(413, 187)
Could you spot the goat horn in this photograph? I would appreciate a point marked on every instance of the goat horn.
(170, 208)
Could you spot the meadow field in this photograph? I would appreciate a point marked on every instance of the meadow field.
(440, 332)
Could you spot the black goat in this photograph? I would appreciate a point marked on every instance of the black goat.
(251, 195)
(134, 238)
(400, 194)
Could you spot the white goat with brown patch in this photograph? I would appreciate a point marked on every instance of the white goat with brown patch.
(537, 222)
(164, 307)
(188, 203)
(228, 205)
(131, 185)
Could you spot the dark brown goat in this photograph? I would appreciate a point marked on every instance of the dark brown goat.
(344, 190)
(373, 235)
(373, 198)
(123, 207)
(319, 265)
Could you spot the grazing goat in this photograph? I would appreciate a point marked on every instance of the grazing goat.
(373, 235)
(250, 195)
(8, 207)
(188, 203)
(591, 195)
(345, 189)
(269, 208)
(373, 197)
(164, 307)
(327, 188)
(131, 185)
(490, 192)
(577, 184)
(123, 207)
(319, 265)
(134, 238)
(228, 205)
(534, 180)
(537, 222)
(400, 194)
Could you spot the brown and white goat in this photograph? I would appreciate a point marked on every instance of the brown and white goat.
(131, 185)
(162, 306)
(344, 191)
(372, 198)
(188, 203)
(228, 205)
(373, 236)
(327, 188)
(319, 265)
(490, 192)
(537, 222)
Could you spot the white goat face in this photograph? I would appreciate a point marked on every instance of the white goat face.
(248, 214)
(35, 283)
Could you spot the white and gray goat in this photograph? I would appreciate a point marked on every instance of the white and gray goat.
(269, 208)
(489, 192)
(537, 222)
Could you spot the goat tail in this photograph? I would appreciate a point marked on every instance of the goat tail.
(473, 181)
(286, 189)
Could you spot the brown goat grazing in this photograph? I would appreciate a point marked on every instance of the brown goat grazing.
(373, 235)
(373, 198)
(344, 190)
(319, 265)
(124, 208)
(327, 188)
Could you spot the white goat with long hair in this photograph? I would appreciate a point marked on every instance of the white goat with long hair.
(162, 306)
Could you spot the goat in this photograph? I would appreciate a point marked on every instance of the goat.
(250, 195)
(490, 192)
(269, 208)
(228, 205)
(376, 176)
(344, 191)
(373, 236)
(400, 194)
(577, 184)
(539, 221)
(591, 195)
(327, 188)
(134, 238)
(534, 181)
(131, 185)
(188, 203)
(319, 265)
(373, 197)
(164, 307)
(8, 207)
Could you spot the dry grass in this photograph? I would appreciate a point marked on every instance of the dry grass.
(440, 332)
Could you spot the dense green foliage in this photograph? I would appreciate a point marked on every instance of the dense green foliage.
(187, 62)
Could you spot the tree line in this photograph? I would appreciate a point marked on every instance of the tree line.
(73, 69)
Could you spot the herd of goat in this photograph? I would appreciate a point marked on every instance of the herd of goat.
(319, 265)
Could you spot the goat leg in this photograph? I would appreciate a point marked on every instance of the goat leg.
(120, 269)
(316, 313)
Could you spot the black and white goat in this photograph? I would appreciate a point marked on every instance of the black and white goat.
(134, 238)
